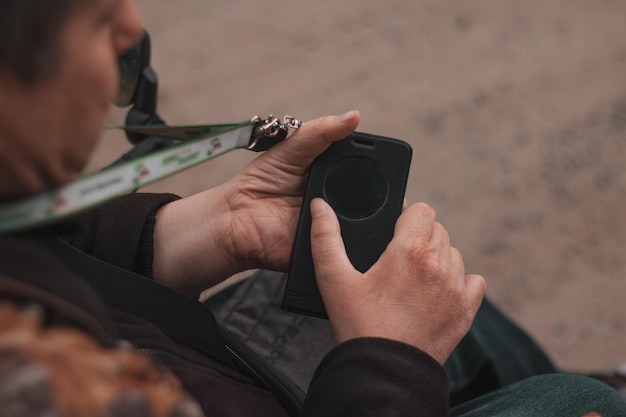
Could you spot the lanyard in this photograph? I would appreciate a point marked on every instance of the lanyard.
(202, 143)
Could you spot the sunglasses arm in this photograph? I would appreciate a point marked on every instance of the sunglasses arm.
(144, 102)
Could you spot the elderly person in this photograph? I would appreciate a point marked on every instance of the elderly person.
(61, 348)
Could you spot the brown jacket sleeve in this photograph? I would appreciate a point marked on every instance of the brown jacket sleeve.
(377, 377)
(121, 232)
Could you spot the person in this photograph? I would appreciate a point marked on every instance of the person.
(64, 352)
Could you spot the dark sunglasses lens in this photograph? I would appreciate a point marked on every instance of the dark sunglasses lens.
(130, 65)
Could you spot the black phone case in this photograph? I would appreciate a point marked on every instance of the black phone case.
(363, 177)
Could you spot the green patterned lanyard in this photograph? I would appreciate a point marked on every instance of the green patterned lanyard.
(201, 143)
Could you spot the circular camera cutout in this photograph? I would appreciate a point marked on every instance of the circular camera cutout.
(356, 187)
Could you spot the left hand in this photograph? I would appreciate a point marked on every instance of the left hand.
(247, 222)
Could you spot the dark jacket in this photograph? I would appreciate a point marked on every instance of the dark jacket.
(360, 377)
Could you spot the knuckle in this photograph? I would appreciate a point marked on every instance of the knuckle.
(439, 228)
(430, 262)
(457, 259)
(415, 250)
(425, 210)
(433, 263)
(482, 285)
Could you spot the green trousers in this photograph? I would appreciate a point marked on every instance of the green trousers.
(548, 395)
(496, 370)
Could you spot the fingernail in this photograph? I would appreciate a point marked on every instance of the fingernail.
(318, 207)
(347, 116)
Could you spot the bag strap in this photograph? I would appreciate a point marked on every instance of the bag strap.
(181, 317)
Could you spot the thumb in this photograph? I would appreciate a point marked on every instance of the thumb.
(329, 253)
(312, 138)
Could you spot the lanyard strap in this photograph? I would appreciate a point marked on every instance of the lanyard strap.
(204, 143)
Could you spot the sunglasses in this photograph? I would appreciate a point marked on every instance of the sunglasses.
(131, 65)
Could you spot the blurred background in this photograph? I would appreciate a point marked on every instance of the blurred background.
(516, 111)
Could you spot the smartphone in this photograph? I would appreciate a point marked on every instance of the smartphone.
(363, 178)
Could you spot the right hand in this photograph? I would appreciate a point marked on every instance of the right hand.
(416, 293)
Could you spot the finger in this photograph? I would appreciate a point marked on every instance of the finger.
(313, 137)
(456, 261)
(439, 237)
(475, 287)
(329, 253)
(416, 223)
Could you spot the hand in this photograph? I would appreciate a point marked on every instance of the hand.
(264, 200)
(417, 292)
(247, 222)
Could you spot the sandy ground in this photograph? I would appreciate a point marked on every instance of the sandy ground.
(516, 111)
